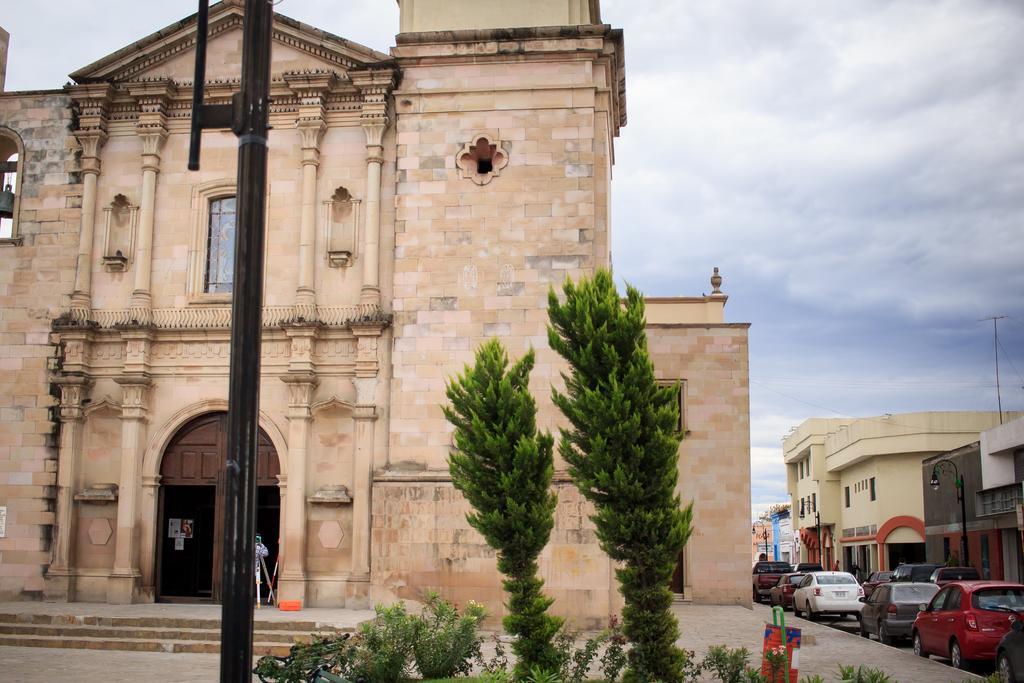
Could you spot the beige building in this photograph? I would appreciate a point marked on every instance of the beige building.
(855, 483)
(419, 203)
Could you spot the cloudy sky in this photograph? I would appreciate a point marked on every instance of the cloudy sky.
(856, 170)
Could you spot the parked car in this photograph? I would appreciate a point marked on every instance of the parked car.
(889, 612)
(808, 567)
(781, 593)
(827, 593)
(966, 620)
(918, 572)
(874, 580)
(1010, 653)
(944, 575)
(765, 575)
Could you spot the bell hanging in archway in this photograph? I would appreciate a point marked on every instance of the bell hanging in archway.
(7, 203)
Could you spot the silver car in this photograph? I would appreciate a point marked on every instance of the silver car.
(828, 593)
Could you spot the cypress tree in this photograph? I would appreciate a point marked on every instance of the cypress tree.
(503, 467)
(622, 448)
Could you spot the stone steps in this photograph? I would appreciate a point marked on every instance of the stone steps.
(148, 633)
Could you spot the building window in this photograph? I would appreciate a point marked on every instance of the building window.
(10, 184)
(211, 259)
(945, 548)
(814, 502)
(846, 494)
(871, 488)
(220, 247)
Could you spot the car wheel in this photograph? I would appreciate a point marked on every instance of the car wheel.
(811, 616)
(883, 634)
(956, 657)
(1005, 668)
(863, 631)
(918, 646)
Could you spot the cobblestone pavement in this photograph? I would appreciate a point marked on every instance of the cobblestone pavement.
(823, 649)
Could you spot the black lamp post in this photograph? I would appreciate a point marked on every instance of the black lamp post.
(764, 535)
(961, 498)
(817, 524)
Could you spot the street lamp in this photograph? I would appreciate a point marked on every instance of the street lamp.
(764, 535)
(817, 524)
(959, 482)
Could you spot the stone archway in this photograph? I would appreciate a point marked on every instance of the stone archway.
(189, 520)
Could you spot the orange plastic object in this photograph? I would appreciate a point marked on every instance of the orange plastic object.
(290, 605)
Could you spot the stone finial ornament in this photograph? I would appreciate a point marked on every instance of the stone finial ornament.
(482, 159)
(716, 283)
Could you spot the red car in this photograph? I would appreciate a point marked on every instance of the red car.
(966, 620)
(782, 592)
(874, 580)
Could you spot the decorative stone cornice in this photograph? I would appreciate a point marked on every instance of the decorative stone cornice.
(375, 86)
(301, 387)
(92, 101)
(219, 317)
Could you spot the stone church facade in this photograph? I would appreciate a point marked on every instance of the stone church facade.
(419, 203)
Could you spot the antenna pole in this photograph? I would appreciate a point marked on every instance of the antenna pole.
(995, 347)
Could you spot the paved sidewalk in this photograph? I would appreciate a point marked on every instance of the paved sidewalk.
(701, 626)
(822, 651)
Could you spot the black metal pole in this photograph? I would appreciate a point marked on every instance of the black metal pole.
(238, 572)
(964, 548)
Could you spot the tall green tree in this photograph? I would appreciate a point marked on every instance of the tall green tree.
(622, 447)
(503, 466)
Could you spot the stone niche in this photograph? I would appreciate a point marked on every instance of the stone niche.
(341, 218)
(119, 233)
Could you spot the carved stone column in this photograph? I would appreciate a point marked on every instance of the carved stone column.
(362, 490)
(375, 86)
(125, 579)
(93, 103)
(292, 583)
(153, 98)
(147, 543)
(59, 584)
(311, 89)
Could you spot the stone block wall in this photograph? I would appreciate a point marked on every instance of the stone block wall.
(37, 271)
(714, 457)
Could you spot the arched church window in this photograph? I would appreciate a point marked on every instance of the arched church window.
(10, 184)
(220, 246)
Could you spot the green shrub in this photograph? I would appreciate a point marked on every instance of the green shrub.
(324, 654)
(538, 675)
(862, 674)
(384, 647)
(729, 665)
(814, 678)
(448, 641)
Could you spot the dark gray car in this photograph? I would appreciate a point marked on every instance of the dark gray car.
(890, 610)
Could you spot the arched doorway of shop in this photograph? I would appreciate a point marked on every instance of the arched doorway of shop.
(190, 526)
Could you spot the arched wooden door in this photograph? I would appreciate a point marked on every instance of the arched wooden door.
(191, 520)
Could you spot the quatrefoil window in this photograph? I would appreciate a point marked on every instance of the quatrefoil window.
(481, 159)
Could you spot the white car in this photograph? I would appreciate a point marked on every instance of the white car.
(827, 593)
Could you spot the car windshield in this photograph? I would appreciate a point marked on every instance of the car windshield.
(881, 576)
(998, 599)
(958, 574)
(911, 593)
(771, 568)
(922, 573)
(835, 579)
